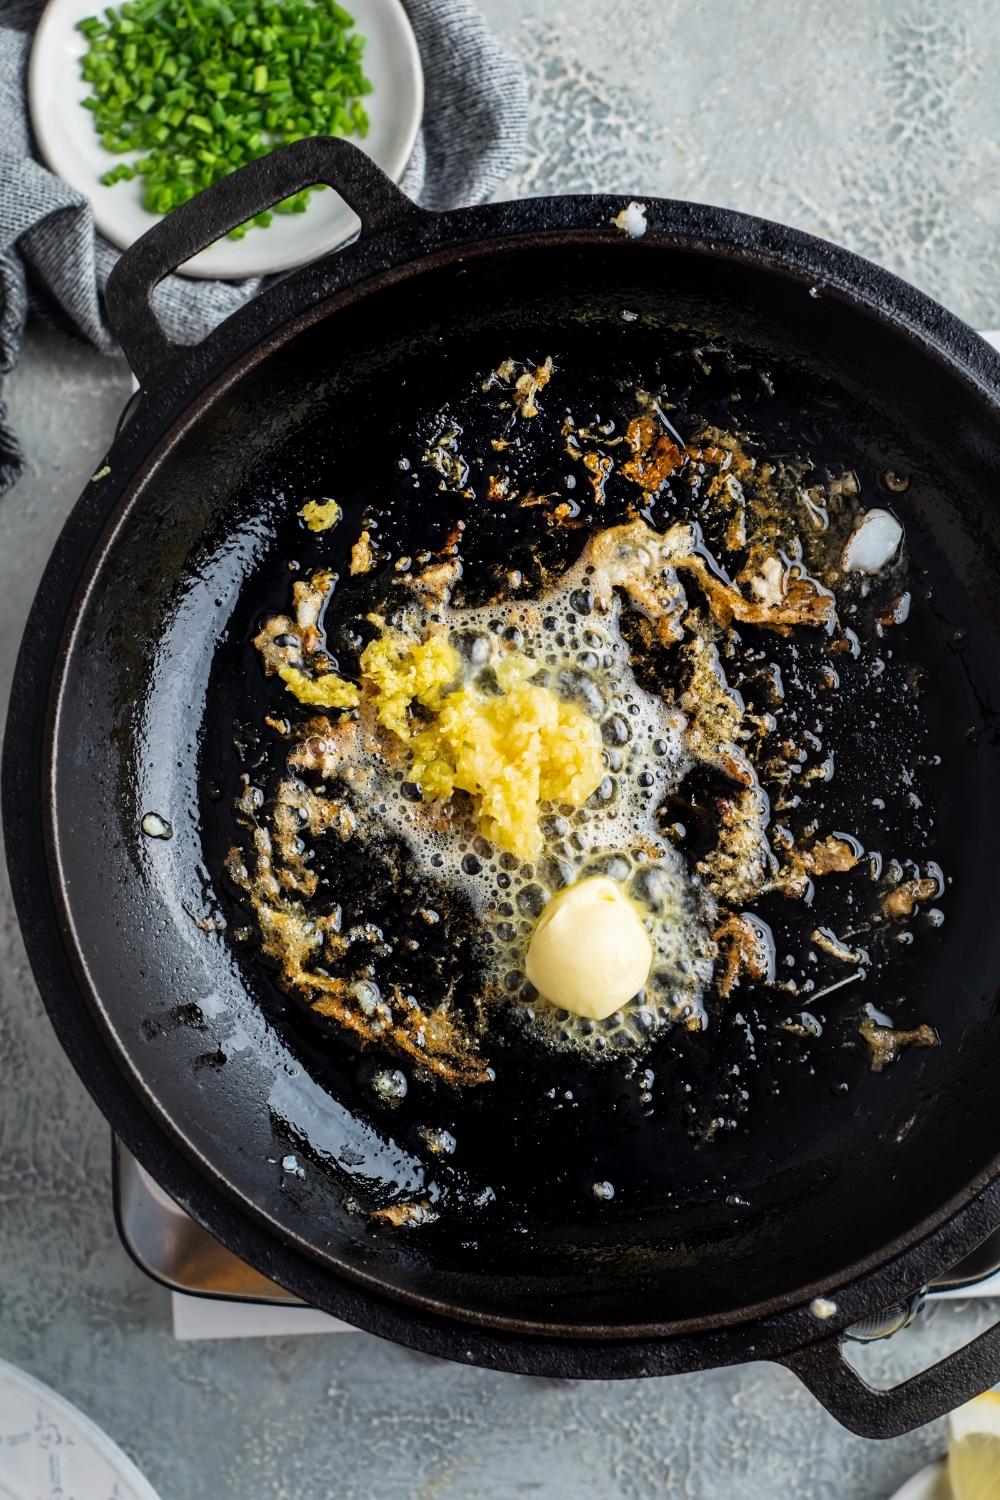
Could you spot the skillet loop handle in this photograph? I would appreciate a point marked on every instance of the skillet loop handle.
(201, 221)
(874, 1413)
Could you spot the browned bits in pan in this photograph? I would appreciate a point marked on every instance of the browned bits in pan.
(886, 1042)
(654, 455)
(903, 900)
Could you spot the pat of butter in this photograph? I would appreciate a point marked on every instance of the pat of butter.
(589, 952)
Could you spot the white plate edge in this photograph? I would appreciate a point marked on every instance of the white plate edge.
(101, 1440)
(46, 24)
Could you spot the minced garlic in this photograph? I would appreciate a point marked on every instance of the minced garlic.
(511, 751)
(326, 690)
(362, 557)
(320, 515)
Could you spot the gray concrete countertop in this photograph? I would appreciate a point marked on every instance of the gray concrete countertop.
(873, 122)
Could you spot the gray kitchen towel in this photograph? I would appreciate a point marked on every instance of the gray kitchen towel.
(53, 262)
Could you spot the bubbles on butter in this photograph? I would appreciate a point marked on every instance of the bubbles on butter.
(584, 656)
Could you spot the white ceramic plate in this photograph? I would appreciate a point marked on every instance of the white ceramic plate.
(930, 1484)
(47, 1447)
(70, 146)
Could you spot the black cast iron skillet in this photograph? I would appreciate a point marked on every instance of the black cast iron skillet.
(850, 1208)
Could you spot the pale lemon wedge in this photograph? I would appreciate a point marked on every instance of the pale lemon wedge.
(974, 1449)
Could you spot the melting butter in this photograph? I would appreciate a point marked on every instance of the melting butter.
(590, 952)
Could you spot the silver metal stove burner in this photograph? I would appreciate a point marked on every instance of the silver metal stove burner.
(169, 1246)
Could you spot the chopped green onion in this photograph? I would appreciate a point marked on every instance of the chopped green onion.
(158, 71)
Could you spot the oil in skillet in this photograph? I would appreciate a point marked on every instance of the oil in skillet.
(503, 550)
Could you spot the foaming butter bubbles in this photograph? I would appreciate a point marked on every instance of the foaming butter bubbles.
(540, 763)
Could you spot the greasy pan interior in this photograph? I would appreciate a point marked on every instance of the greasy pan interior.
(825, 1177)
